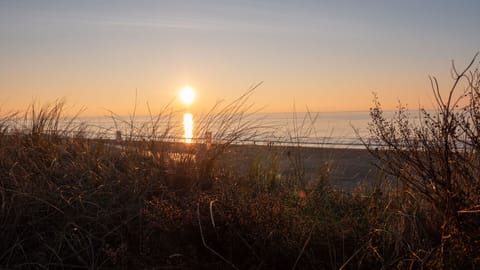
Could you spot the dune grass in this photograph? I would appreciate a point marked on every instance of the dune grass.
(72, 202)
(76, 202)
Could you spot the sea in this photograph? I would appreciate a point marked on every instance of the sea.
(312, 129)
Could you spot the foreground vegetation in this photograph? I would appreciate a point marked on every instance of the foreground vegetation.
(74, 202)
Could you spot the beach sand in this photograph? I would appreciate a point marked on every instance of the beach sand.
(347, 168)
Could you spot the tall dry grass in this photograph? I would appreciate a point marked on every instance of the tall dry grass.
(90, 203)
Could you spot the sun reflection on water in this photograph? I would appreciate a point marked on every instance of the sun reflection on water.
(187, 127)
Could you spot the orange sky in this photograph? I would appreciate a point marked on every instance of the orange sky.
(326, 55)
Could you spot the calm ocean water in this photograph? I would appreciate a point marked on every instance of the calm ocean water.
(311, 129)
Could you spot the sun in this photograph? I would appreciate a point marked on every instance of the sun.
(187, 95)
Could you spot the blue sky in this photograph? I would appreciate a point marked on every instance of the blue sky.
(329, 55)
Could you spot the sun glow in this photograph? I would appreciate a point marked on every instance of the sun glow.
(187, 95)
(187, 127)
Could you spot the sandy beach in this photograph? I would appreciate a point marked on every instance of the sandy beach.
(347, 167)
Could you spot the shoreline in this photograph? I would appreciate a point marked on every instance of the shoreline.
(346, 167)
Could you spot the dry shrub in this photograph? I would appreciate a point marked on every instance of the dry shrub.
(435, 158)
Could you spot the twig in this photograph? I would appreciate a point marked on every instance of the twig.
(205, 243)
(303, 249)
(469, 211)
(351, 257)
(211, 214)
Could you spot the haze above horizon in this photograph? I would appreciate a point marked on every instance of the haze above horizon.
(327, 55)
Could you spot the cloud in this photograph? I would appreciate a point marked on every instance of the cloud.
(164, 23)
(197, 24)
